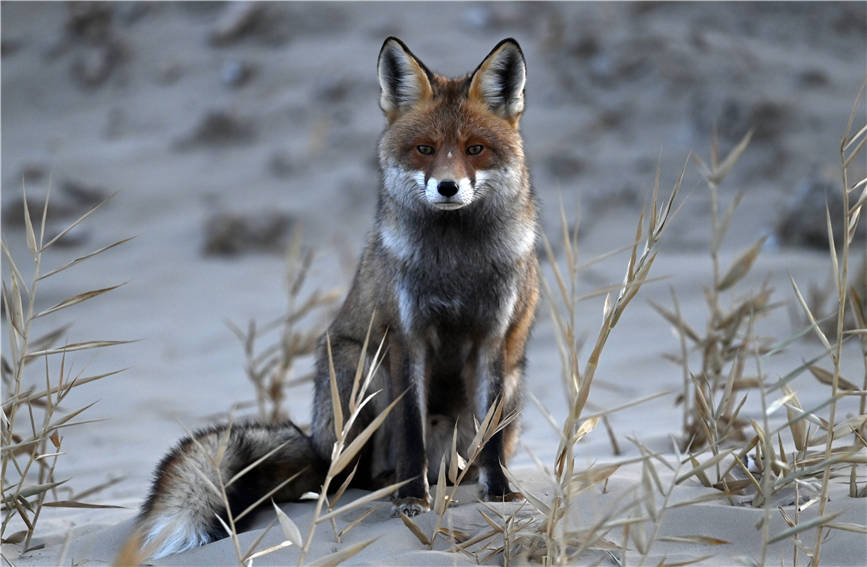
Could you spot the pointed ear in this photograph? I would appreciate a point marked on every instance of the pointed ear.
(404, 80)
(499, 80)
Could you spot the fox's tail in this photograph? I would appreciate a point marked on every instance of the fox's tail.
(184, 504)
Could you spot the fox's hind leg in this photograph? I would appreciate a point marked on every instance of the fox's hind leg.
(345, 356)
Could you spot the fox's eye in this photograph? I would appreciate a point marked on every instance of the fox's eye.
(475, 149)
(425, 150)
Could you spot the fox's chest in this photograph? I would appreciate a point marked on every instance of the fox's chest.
(470, 294)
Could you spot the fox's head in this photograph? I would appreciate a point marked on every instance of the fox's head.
(451, 143)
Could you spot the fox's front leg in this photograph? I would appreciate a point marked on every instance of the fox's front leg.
(490, 390)
(408, 371)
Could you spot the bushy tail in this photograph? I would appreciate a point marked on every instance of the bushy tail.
(182, 508)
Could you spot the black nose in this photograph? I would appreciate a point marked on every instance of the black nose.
(447, 188)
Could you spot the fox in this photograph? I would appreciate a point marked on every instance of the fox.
(448, 280)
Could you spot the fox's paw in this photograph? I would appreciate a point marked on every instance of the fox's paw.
(494, 489)
(410, 506)
(507, 496)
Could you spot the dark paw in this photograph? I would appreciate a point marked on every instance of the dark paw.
(499, 491)
(410, 506)
(507, 496)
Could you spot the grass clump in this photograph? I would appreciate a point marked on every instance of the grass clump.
(854, 199)
(270, 368)
(33, 417)
(751, 457)
(711, 396)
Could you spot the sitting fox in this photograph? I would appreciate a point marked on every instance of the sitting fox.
(451, 274)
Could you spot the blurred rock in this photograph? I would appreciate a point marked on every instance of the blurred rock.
(92, 68)
(813, 78)
(128, 13)
(563, 166)
(31, 173)
(97, 49)
(598, 205)
(231, 234)
(169, 73)
(626, 61)
(608, 119)
(768, 118)
(84, 195)
(331, 88)
(13, 209)
(733, 115)
(72, 200)
(851, 19)
(265, 22)
(804, 222)
(9, 46)
(219, 128)
(237, 19)
(236, 74)
(77, 236)
(280, 164)
(586, 46)
(90, 21)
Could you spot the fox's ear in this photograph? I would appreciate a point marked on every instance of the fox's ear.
(404, 79)
(499, 80)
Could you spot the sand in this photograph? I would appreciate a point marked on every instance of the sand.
(611, 89)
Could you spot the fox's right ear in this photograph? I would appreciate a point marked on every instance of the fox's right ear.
(404, 80)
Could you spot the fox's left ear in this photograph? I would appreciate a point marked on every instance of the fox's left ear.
(499, 80)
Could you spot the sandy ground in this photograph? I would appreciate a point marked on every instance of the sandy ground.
(121, 103)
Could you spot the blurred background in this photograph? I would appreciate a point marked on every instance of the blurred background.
(226, 128)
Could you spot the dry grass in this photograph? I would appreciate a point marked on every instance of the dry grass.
(712, 396)
(751, 457)
(270, 368)
(33, 418)
(347, 448)
(850, 147)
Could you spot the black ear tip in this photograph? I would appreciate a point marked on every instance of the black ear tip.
(511, 42)
(392, 41)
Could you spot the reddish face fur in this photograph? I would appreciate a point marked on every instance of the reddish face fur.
(451, 122)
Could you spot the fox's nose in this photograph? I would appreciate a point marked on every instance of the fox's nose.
(447, 188)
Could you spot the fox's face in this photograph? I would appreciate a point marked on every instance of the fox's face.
(451, 143)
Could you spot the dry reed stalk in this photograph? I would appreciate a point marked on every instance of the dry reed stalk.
(344, 452)
(458, 468)
(346, 449)
(840, 261)
(39, 445)
(270, 369)
(554, 542)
